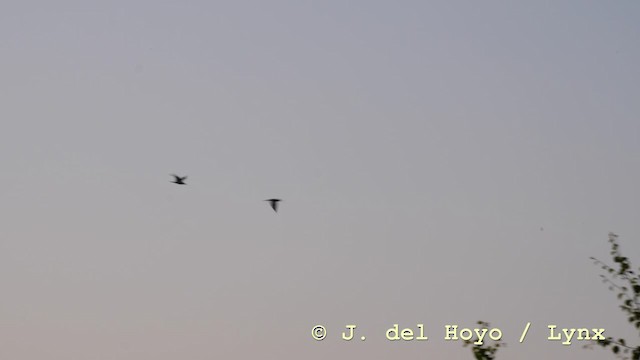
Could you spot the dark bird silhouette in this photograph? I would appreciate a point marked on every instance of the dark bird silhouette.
(274, 204)
(179, 180)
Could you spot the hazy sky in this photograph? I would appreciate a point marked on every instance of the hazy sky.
(419, 147)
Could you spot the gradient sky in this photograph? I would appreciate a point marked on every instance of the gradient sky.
(419, 147)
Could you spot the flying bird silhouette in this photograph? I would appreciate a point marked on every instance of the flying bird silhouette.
(274, 204)
(179, 180)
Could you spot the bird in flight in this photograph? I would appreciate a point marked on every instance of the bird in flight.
(179, 180)
(274, 204)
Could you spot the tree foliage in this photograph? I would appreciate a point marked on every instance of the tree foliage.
(626, 283)
(484, 352)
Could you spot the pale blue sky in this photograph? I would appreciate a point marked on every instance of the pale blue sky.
(419, 147)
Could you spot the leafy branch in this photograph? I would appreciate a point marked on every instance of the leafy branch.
(626, 283)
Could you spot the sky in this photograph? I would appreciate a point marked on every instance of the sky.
(440, 162)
